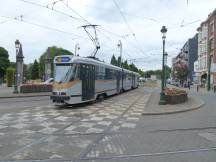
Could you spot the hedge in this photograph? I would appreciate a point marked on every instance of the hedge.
(10, 75)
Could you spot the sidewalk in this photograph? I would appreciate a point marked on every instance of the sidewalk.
(153, 108)
(7, 92)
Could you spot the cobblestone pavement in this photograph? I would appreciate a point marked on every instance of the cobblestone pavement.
(49, 133)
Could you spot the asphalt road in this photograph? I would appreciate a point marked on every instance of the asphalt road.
(111, 131)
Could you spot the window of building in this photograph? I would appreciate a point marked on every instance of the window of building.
(211, 44)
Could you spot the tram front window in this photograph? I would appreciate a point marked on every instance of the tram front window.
(65, 72)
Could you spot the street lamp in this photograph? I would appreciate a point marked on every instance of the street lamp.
(120, 47)
(77, 47)
(162, 95)
(17, 46)
(165, 68)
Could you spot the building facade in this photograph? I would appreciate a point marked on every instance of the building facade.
(187, 56)
(211, 21)
(202, 51)
(207, 49)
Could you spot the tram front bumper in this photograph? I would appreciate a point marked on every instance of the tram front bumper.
(59, 99)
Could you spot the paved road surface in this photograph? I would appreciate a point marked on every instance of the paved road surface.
(111, 131)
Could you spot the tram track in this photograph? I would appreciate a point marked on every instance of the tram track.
(45, 136)
(84, 154)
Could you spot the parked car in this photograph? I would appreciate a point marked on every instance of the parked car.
(175, 83)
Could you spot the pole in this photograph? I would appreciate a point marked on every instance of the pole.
(209, 68)
(75, 49)
(120, 46)
(162, 94)
(16, 75)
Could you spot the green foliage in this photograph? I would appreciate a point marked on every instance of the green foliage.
(4, 61)
(141, 72)
(167, 72)
(10, 75)
(54, 51)
(13, 65)
(132, 67)
(158, 73)
(35, 70)
(114, 61)
(29, 71)
(125, 65)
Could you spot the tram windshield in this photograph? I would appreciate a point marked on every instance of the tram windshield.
(66, 72)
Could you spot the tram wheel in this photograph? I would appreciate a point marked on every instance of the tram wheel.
(101, 97)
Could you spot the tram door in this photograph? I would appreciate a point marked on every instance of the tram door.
(118, 78)
(88, 81)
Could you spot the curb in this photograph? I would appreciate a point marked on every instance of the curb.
(177, 111)
(5, 97)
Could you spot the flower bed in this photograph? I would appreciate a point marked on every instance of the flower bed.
(175, 96)
(35, 88)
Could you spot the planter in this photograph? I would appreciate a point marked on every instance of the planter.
(176, 99)
(35, 88)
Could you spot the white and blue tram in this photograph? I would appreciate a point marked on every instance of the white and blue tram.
(79, 79)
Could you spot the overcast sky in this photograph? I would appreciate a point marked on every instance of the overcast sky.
(136, 23)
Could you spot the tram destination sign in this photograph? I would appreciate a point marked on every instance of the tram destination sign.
(63, 59)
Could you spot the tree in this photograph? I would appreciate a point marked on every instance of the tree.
(132, 67)
(35, 70)
(125, 65)
(181, 72)
(119, 61)
(167, 72)
(54, 51)
(29, 71)
(4, 61)
(113, 61)
(141, 72)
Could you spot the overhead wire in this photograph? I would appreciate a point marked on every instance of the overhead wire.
(21, 19)
(51, 9)
(82, 19)
(128, 26)
(60, 12)
(76, 12)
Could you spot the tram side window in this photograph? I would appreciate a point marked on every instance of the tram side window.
(129, 76)
(100, 73)
(109, 74)
(75, 73)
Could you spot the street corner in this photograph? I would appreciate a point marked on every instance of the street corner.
(153, 108)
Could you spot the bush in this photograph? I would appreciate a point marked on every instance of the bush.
(10, 75)
(34, 88)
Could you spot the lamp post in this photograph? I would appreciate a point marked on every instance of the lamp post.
(77, 47)
(162, 95)
(17, 46)
(120, 47)
(165, 68)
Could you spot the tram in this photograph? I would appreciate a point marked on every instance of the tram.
(79, 79)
